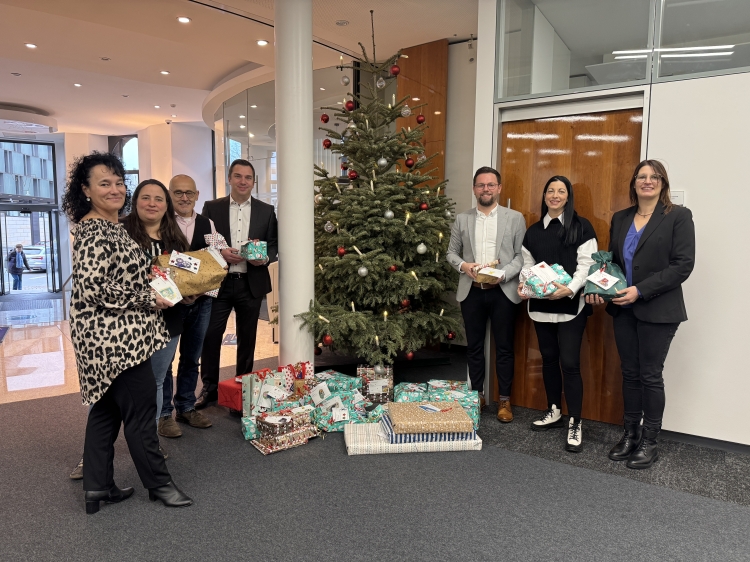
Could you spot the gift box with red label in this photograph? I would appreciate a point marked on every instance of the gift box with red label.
(230, 394)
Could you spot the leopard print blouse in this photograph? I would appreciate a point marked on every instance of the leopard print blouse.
(112, 324)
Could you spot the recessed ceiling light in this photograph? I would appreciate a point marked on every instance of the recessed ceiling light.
(125, 95)
(250, 135)
(437, 113)
(242, 116)
(173, 115)
(31, 45)
(156, 107)
(242, 126)
(415, 99)
(322, 89)
(105, 59)
(165, 72)
(183, 19)
(262, 42)
(16, 73)
(77, 85)
(253, 106)
(342, 23)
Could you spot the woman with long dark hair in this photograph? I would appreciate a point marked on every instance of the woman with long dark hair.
(653, 242)
(565, 238)
(115, 327)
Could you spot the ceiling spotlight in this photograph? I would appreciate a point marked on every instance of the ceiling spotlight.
(77, 85)
(242, 126)
(415, 99)
(342, 23)
(262, 42)
(322, 89)
(125, 95)
(183, 19)
(242, 116)
(105, 59)
(31, 45)
(156, 107)
(16, 73)
(173, 115)
(250, 135)
(165, 72)
(253, 106)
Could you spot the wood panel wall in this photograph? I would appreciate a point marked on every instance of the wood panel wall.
(598, 153)
(424, 75)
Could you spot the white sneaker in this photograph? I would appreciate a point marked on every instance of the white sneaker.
(575, 436)
(550, 418)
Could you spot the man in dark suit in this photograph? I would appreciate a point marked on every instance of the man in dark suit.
(238, 217)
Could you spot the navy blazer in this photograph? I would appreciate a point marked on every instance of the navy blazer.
(263, 226)
(663, 260)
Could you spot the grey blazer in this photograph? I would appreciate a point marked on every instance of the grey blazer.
(511, 228)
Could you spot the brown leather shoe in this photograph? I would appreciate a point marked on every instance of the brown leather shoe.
(168, 428)
(194, 418)
(504, 413)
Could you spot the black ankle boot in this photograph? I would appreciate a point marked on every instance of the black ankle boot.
(113, 495)
(170, 495)
(628, 443)
(646, 454)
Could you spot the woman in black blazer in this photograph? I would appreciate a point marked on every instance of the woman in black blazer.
(653, 242)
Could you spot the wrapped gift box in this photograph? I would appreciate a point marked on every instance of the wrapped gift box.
(254, 250)
(294, 438)
(429, 417)
(437, 384)
(230, 394)
(338, 381)
(334, 419)
(367, 439)
(410, 392)
(468, 400)
(278, 423)
(537, 288)
(377, 413)
(255, 398)
(249, 428)
(376, 388)
(393, 437)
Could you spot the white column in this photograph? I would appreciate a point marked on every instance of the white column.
(294, 152)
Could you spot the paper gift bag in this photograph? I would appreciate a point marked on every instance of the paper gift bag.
(255, 388)
(605, 278)
(208, 277)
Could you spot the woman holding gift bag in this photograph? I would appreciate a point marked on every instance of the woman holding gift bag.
(653, 242)
(561, 237)
(115, 328)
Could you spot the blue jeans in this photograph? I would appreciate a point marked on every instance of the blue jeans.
(194, 326)
(160, 362)
(17, 281)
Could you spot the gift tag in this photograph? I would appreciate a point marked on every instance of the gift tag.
(340, 414)
(429, 408)
(334, 402)
(358, 397)
(277, 393)
(457, 395)
(544, 272)
(499, 273)
(602, 279)
(183, 261)
(216, 254)
(320, 393)
(306, 409)
(166, 289)
(378, 386)
(277, 420)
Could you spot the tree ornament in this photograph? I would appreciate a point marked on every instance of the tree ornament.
(393, 268)
(424, 207)
(405, 303)
(349, 105)
(420, 119)
(380, 83)
(409, 162)
(351, 125)
(395, 70)
(341, 251)
(327, 339)
(389, 214)
(451, 335)
(327, 143)
(421, 249)
(353, 175)
(324, 118)
(379, 370)
(382, 162)
(329, 227)
(318, 350)
(345, 80)
(409, 355)
(405, 111)
(318, 198)
(344, 166)
(448, 214)
(421, 158)
(363, 271)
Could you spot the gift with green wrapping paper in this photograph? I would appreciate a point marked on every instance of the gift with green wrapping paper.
(468, 399)
(410, 392)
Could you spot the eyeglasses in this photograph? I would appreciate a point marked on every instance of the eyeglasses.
(180, 194)
(654, 178)
(481, 186)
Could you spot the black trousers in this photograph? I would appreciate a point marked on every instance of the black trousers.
(234, 294)
(476, 308)
(560, 346)
(129, 401)
(643, 348)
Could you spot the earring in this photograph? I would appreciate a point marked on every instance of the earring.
(88, 198)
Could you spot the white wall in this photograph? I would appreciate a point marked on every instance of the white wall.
(699, 129)
(550, 59)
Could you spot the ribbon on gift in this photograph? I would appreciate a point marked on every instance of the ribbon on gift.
(216, 241)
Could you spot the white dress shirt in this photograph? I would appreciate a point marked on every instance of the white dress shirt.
(585, 261)
(239, 226)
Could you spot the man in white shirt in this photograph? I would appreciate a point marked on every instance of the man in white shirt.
(238, 218)
(480, 235)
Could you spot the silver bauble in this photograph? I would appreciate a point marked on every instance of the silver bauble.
(421, 249)
(363, 271)
(318, 198)
(389, 214)
(379, 370)
(329, 227)
(380, 83)
(405, 111)
(345, 80)
(382, 162)
(448, 214)
(352, 125)
(421, 158)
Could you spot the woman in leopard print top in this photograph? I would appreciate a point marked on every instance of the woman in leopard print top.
(115, 328)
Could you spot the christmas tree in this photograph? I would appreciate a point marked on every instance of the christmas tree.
(380, 237)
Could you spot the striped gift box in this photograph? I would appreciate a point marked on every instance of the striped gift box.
(364, 439)
(396, 438)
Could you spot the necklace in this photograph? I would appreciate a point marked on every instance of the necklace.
(644, 215)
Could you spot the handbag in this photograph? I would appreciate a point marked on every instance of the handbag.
(209, 276)
(604, 265)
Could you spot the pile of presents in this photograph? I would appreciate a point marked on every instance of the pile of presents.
(285, 408)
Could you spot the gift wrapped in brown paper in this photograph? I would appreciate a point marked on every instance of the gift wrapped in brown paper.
(209, 276)
(429, 417)
(488, 273)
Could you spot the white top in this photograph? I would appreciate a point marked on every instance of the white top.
(239, 226)
(485, 236)
(585, 261)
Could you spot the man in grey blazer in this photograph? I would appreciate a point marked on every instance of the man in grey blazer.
(480, 235)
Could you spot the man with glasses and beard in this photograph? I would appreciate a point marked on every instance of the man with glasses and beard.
(479, 236)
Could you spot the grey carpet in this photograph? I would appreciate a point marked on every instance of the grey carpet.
(316, 503)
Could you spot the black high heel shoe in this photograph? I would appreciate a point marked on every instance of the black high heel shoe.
(170, 495)
(113, 495)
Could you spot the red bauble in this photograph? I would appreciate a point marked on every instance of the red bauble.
(451, 335)
(327, 340)
(410, 355)
(341, 251)
(324, 118)
(424, 207)
(344, 166)
(349, 105)
(353, 175)
(405, 303)
(318, 350)
(327, 143)
(395, 70)
(392, 268)
(420, 119)
(409, 162)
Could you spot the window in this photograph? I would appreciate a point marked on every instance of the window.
(126, 149)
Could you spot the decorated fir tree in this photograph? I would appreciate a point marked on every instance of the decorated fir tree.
(380, 238)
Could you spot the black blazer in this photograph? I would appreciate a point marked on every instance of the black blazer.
(263, 226)
(663, 260)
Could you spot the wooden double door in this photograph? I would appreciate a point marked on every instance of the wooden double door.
(597, 152)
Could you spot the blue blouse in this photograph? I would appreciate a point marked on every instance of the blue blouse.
(628, 251)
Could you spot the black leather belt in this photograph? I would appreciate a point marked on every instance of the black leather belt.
(485, 286)
(235, 275)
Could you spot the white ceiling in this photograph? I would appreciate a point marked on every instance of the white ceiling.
(143, 37)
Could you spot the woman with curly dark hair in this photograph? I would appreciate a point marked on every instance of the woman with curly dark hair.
(115, 327)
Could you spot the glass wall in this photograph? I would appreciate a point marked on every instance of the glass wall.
(27, 172)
